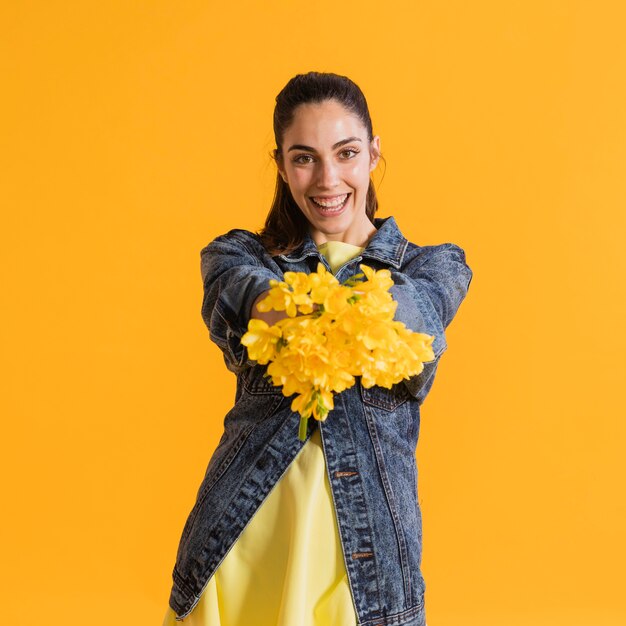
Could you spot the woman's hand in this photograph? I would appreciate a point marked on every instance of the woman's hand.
(271, 317)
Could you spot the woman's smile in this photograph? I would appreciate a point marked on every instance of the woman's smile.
(329, 206)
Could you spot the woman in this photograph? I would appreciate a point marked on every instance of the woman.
(325, 532)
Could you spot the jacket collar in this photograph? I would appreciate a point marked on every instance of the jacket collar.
(387, 244)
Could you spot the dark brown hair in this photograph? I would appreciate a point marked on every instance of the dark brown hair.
(286, 225)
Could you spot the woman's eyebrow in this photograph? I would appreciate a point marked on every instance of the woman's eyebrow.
(298, 146)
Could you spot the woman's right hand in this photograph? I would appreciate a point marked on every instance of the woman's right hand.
(270, 317)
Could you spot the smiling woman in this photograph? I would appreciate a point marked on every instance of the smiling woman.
(329, 178)
(325, 532)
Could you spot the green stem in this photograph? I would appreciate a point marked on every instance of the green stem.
(303, 424)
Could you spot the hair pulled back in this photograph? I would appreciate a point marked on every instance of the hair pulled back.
(285, 226)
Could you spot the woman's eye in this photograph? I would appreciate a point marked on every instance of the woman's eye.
(348, 150)
(299, 158)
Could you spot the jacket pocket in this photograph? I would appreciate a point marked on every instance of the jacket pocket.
(255, 383)
(383, 398)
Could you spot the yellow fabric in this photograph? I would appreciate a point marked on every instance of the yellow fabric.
(286, 568)
(338, 252)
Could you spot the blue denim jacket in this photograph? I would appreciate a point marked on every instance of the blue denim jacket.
(369, 439)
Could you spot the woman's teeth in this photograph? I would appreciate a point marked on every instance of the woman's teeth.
(333, 205)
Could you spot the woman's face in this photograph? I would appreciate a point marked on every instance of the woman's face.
(328, 158)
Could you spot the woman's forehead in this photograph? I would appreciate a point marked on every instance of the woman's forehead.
(325, 121)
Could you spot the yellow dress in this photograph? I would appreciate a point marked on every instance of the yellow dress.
(287, 567)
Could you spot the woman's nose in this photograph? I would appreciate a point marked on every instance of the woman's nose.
(328, 175)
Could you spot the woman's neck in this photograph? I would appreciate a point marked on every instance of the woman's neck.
(360, 239)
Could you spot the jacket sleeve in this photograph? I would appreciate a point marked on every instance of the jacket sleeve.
(233, 276)
(429, 291)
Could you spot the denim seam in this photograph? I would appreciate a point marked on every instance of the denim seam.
(367, 510)
(395, 618)
(391, 502)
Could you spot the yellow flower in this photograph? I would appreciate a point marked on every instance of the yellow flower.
(321, 283)
(261, 340)
(377, 335)
(279, 298)
(336, 300)
(346, 330)
(376, 279)
(300, 286)
(303, 402)
(323, 405)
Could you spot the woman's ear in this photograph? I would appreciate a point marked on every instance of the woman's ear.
(281, 171)
(374, 152)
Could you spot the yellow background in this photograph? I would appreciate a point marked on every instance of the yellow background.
(132, 133)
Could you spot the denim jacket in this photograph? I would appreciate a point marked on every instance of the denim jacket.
(369, 439)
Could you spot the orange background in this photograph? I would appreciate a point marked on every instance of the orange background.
(134, 133)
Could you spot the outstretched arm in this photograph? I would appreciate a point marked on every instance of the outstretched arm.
(429, 291)
(234, 279)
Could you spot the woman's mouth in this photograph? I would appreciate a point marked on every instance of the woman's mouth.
(330, 206)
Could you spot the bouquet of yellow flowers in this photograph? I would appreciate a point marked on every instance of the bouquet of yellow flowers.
(343, 330)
